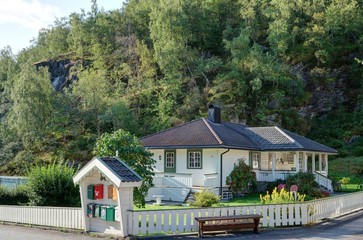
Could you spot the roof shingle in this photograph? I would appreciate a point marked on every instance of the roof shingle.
(120, 169)
(203, 133)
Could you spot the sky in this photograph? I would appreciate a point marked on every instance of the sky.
(20, 20)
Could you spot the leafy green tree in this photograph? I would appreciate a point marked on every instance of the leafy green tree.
(32, 105)
(132, 153)
(93, 90)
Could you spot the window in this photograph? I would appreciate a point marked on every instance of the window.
(170, 160)
(256, 160)
(195, 159)
(290, 158)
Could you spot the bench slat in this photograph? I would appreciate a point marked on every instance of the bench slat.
(214, 218)
(215, 223)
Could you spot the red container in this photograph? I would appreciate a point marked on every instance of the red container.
(98, 191)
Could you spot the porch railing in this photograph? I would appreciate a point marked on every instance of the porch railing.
(164, 179)
(268, 176)
(324, 181)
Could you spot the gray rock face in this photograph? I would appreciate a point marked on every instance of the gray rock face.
(59, 72)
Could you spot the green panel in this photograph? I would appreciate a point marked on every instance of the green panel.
(110, 215)
(169, 168)
(90, 192)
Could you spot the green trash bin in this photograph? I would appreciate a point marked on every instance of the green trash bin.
(90, 192)
(108, 213)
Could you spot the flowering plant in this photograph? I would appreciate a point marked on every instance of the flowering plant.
(242, 179)
(281, 196)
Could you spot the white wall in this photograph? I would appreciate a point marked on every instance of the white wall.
(211, 162)
(230, 159)
(209, 165)
(159, 165)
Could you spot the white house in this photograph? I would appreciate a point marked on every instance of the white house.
(202, 153)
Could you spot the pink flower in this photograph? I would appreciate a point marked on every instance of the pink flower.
(281, 186)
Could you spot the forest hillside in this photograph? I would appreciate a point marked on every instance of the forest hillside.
(151, 65)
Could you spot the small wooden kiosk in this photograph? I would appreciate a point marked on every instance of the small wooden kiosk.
(106, 188)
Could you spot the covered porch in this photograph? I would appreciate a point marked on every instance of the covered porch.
(270, 166)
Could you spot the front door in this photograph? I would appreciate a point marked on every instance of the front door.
(170, 161)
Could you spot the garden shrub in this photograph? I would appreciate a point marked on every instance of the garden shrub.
(242, 179)
(16, 196)
(306, 184)
(345, 180)
(52, 185)
(281, 196)
(205, 199)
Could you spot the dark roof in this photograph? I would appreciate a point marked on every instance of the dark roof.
(120, 169)
(192, 134)
(203, 133)
(309, 144)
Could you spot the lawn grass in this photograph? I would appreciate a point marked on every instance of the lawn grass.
(161, 207)
(250, 199)
(351, 167)
(351, 187)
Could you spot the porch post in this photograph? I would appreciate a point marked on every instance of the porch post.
(313, 162)
(273, 165)
(320, 165)
(296, 158)
(326, 164)
(305, 159)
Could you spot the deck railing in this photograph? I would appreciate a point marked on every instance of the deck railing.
(164, 179)
(267, 176)
(323, 181)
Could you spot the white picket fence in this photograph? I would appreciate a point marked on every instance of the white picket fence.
(274, 215)
(46, 216)
(334, 206)
(182, 220)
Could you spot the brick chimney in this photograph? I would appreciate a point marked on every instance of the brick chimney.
(214, 113)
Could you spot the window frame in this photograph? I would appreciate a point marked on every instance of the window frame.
(258, 161)
(290, 158)
(188, 158)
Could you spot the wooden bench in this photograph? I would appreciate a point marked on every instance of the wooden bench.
(237, 222)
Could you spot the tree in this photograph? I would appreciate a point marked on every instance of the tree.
(132, 153)
(32, 105)
(94, 90)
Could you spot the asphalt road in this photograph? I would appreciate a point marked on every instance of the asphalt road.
(9, 232)
(346, 227)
